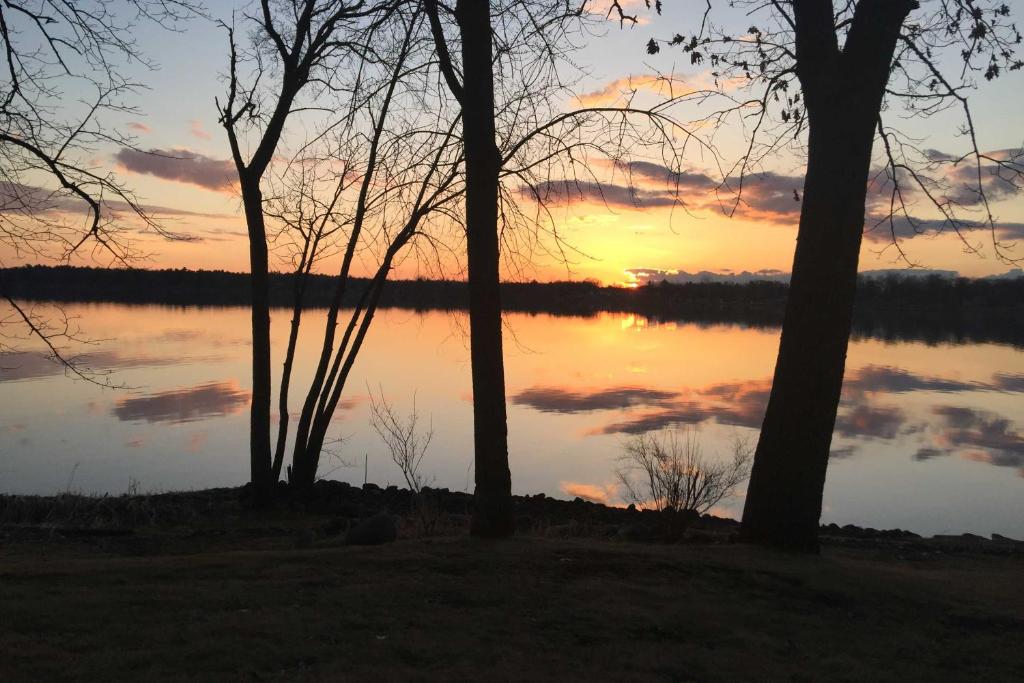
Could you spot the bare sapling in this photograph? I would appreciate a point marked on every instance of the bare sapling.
(668, 471)
(407, 441)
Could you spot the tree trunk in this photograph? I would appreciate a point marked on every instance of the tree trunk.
(261, 474)
(844, 96)
(286, 372)
(492, 513)
(783, 503)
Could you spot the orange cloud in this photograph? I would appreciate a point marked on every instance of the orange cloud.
(591, 492)
(620, 89)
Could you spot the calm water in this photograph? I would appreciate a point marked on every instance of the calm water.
(929, 438)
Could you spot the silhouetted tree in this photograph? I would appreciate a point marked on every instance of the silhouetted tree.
(302, 40)
(377, 163)
(410, 172)
(522, 150)
(492, 498)
(851, 62)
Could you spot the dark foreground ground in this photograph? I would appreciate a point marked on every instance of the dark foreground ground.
(182, 591)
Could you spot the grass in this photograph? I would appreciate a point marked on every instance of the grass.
(271, 604)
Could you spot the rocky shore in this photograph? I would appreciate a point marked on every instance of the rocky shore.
(198, 586)
(336, 511)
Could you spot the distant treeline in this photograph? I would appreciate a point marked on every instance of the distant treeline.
(930, 309)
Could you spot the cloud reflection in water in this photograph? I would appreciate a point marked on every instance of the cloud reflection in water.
(214, 399)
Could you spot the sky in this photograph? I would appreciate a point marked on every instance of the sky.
(614, 233)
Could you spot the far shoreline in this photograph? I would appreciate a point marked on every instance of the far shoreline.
(932, 310)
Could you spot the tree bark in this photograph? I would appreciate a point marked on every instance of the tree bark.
(787, 481)
(843, 92)
(261, 473)
(289, 360)
(492, 513)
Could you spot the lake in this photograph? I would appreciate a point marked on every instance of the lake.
(929, 437)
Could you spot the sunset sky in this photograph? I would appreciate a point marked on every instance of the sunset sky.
(638, 230)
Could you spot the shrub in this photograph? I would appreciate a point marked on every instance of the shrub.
(668, 471)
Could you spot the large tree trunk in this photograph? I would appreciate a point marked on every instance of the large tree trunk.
(261, 474)
(784, 497)
(843, 92)
(492, 514)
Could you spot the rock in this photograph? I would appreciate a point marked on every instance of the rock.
(898, 534)
(376, 530)
(641, 533)
(718, 523)
(999, 538)
(335, 526)
(967, 539)
(328, 488)
(305, 538)
(699, 538)
(347, 509)
(563, 530)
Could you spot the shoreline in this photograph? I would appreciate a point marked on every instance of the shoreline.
(211, 591)
(343, 505)
(929, 310)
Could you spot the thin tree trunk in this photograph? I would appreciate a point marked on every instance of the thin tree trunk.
(492, 514)
(843, 92)
(312, 429)
(310, 435)
(318, 431)
(286, 372)
(305, 468)
(261, 474)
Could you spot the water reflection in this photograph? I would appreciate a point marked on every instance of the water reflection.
(681, 414)
(916, 423)
(562, 400)
(977, 435)
(214, 399)
(20, 365)
(873, 422)
(877, 379)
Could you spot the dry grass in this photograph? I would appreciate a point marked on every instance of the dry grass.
(526, 609)
(93, 512)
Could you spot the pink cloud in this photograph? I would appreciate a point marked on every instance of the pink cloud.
(180, 165)
(197, 130)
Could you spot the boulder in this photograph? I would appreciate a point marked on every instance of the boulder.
(999, 538)
(638, 532)
(335, 526)
(376, 530)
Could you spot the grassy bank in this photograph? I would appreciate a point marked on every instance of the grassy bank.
(527, 609)
(276, 595)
